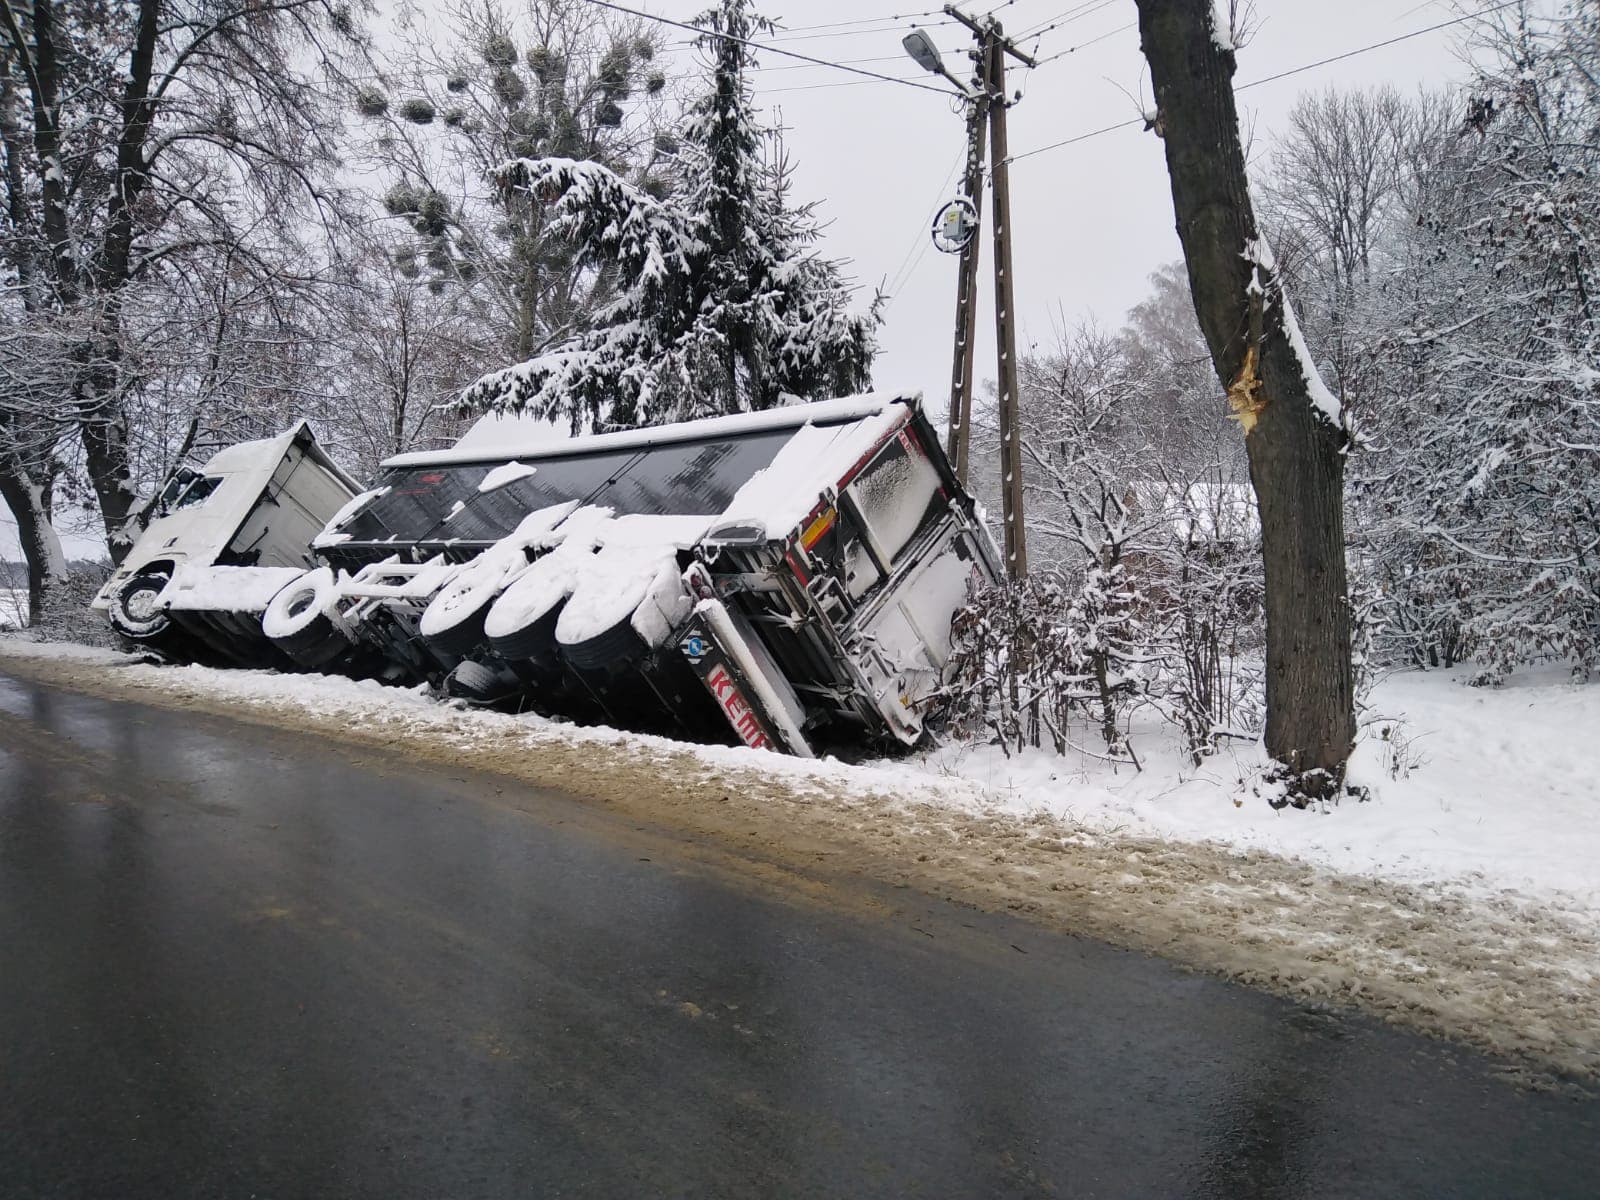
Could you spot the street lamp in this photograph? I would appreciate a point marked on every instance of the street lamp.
(920, 46)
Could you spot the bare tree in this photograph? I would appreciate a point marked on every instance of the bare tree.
(403, 353)
(134, 138)
(512, 80)
(1293, 426)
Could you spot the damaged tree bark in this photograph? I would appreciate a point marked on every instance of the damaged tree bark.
(1296, 447)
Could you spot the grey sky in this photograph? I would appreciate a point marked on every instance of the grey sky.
(1092, 220)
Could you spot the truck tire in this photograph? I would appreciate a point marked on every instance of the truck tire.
(452, 624)
(607, 653)
(296, 623)
(478, 683)
(535, 641)
(133, 610)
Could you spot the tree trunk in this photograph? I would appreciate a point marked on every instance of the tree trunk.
(1296, 451)
(103, 425)
(28, 500)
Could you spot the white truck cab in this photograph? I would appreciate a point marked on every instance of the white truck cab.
(251, 507)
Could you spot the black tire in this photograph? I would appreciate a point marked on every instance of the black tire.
(316, 647)
(458, 610)
(534, 642)
(133, 613)
(320, 643)
(478, 683)
(608, 653)
(456, 640)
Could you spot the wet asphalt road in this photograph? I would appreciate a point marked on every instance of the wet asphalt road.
(237, 962)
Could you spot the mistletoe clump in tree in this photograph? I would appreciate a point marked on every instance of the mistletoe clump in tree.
(510, 80)
(722, 303)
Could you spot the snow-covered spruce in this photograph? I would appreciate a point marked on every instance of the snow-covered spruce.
(723, 303)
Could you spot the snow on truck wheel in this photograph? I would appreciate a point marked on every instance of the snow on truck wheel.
(452, 624)
(625, 605)
(521, 623)
(297, 620)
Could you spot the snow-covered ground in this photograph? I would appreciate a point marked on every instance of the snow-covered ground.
(1462, 899)
(1495, 788)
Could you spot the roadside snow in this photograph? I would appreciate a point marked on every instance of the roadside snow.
(1496, 789)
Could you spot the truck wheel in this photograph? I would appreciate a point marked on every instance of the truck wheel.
(478, 683)
(133, 609)
(607, 653)
(298, 625)
(452, 624)
(535, 641)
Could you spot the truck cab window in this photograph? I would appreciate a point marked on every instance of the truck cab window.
(898, 495)
(186, 489)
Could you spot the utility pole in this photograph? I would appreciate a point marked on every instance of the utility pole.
(960, 439)
(992, 48)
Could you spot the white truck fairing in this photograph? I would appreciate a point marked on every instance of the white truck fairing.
(216, 510)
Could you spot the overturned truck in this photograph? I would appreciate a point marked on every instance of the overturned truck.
(788, 576)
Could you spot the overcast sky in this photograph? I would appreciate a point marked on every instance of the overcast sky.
(1091, 220)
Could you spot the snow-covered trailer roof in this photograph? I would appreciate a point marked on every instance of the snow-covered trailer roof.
(766, 467)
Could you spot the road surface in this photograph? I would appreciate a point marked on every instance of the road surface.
(240, 962)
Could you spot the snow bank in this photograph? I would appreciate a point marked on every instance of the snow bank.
(1495, 789)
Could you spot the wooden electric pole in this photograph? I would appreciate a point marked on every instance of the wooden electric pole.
(993, 46)
(960, 439)
(1005, 324)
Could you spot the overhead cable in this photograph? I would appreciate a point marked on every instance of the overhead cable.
(770, 49)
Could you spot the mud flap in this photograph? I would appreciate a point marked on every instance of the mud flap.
(758, 702)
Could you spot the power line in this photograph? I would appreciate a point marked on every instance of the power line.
(1311, 66)
(821, 62)
(1072, 141)
(1081, 45)
(932, 12)
(846, 62)
(908, 267)
(889, 27)
(1494, 8)
(1061, 18)
(817, 87)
